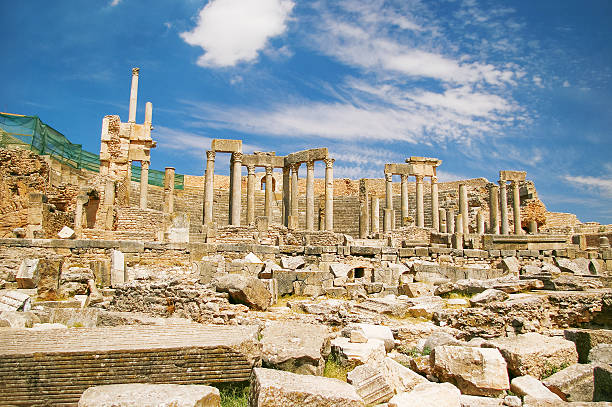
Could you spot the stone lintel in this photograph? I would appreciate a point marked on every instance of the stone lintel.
(412, 169)
(434, 162)
(226, 146)
(314, 154)
(512, 175)
(258, 160)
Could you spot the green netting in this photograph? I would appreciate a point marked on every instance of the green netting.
(29, 132)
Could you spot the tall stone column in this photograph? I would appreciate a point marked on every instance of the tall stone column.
(236, 188)
(329, 194)
(493, 209)
(364, 214)
(269, 194)
(503, 200)
(133, 96)
(310, 195)
(286, 195)
(450, 221)
(388, 213)
(144, 184)
(404, 190)
(420, 214)
(375, 216)
(463, 209)
(480, 222)
(294, 222)
(441, 220)
(78, 214)
(516, 208)
(209, 180)
(251, 194)
(435, 220)
(169, 190)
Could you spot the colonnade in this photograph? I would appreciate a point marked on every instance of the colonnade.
(420, 202)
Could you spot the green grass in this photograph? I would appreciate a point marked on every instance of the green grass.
(234, 395)
(335, 369)
(550, 370)
(414, 352)
(457, 295)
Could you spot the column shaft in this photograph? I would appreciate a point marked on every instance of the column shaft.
(133, 96)
(441, 220)
(144, 184)
(251, 194)
(388, 213)
(493, 209)
(293, 224)
(169, 190)
(450, 221)
(404, 190)
(435, 220)
(236, 188)
(480, 222)
(286, 195)
(269, 194)
(209, 180)
(420, 214)
(503, 201)
(516, 208)
(310, 195)
(329, 194)
(463, 209)
(375, 216)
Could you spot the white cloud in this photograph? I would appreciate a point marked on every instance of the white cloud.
(601, 185)
(538, 81)
(566, 84)
(114, 3)
(233, 31)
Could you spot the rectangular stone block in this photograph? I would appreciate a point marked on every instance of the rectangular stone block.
(226, 146)
(328, 257)
(313, 250)
(507, 253)
(365, 250)
(389, 257)
(118, 272)
(27, 276)
(494, 253)
(422, 251)
(407, 252)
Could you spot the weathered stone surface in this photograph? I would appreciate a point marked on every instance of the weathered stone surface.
(586, 339)
(567, 266)
(15, 301)
(381, 332)
(285, 279)
(530, 386)
(574, 383)
(17, 319)
(48, 284)
(117, 268)
(27, 276)
(510, 265)
(136, 395)
(476, 401)
(294, 347)
(66, 233)
(293, 262)
(370, 383)
(249, 291)
(575, 283)
(273, 388)
(601, 353)
(487, 296)
(603, 383)
(533, 354)
(413, 290)
(400, 378)
(429, 395)
(350, 353)
(438, 338)
(475, 371)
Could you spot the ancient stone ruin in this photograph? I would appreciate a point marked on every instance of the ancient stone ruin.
(120, 287)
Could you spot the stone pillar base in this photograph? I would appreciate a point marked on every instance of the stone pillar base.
(388, 220)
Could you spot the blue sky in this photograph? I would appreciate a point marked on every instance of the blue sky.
(483, 85)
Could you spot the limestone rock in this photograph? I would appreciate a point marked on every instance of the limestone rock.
(601, 353)
(48, 284)
(400, 378)
(118, 274)
(373, 351)
(413, 290)
(66, 233)
(567, 266)
(27, 276)
(513, 401)
(534, 354)
(574, 383)
(475, 371)
(530, 386)
(15, 301)
(603, 383)
(249, 291)
(136, 394)
(476, 401)
(487, 296)
(576, 283)
(357, 336)
(294, 347)
(293, 262)
(340, 269)
(429, 395)
(18, 319)
(370, 383)
(372, 331)
(586, 339)
(510, 265)
(436, 339)
(284, 279)
(273, 388)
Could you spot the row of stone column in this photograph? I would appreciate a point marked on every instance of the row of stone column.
(420, 211)
(499, 195)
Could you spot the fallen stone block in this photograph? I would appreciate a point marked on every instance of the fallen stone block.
(475, 371)
(18, 319)
(585, 339)
(602, 383)
(249, 291)
(27, 276)
(49, 272)
(414, 290)
(568, 266)
(373, 351)
(601, 353)
(510, 265)
(136, 394)
(66, 233)
(576, 283)
(534, 354)
(370, 383)
(574, 383)
(487, 296)
(294, 347)
(532, 387)
(476, 401)
(371, 331)
(293, 262)
(15, 301)
(273, 388)
(429, 395)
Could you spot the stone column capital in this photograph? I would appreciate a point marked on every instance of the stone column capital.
(251, 169)
(388, 177)
(269, 170)
(310, 165)
(434, 179)
(135, 71)
(144, 164)
(502, 183)
(295, 167)
(237, 157)
(210, 155)
(514, 183)
(404, 177)
(419, 178)
(329, 162)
